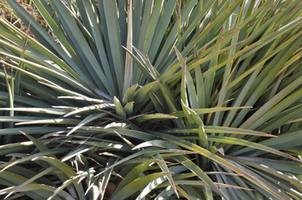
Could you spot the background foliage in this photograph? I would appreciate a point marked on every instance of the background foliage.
(150, 99)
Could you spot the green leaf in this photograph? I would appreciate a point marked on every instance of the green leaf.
(30, 130)
(157, 182)
(220, 129)
(106, 177)
(142, 118)
(114, 41)
(208, 110)
(129, 108)
(63, 167)
(119, 108)
(215, 158)
(165, 169)
(129, 94)
(129, 62)
(90, 108)
(199, 172)
(133, 174)
(136, 185)
(203, 138)
(87, 120)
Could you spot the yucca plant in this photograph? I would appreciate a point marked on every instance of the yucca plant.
(159, 99)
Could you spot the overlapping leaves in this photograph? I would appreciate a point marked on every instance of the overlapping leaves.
(203, 101)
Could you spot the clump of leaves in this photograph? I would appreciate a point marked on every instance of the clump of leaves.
(153, 100)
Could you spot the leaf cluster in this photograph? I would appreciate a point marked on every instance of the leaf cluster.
(150, 99)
